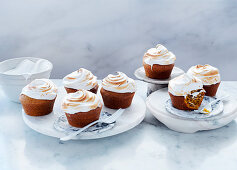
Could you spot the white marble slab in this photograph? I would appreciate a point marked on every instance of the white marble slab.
(150, 145)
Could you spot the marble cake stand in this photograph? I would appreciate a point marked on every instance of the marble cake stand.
(154, 84)
(156, 105)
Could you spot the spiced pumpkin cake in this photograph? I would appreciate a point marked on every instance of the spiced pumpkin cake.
(186, 92)
(38, 97)
(80, 79)
(158, 62)
(118, 90)
(209, 76)
(81, 108)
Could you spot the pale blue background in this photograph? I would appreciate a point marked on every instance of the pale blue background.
(110, 35)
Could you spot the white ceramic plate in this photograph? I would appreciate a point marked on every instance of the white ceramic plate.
(217, 108)
(131, 117)
(140, 74)
(156, 105)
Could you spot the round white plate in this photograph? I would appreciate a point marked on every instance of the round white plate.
(140, 74)
(217, 108)
(131, 117)
(156, 105)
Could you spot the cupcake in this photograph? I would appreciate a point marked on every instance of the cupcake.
(117, 91)
(158, 62)
(186, 92)
(38, 97)
(80, 79)
(81, 108)
(209, 76)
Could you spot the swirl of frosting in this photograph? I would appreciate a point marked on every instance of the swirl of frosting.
(80, 79)
(42, 89)
(119, 83)
(207, 74)
(184, 84)
(81, 101)
(159, 55)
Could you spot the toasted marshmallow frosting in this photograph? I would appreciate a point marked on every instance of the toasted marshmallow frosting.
(42, 89)
(119, 83)
(81, 101)
(159, 55)
(207, 74)
(184, 84)
(80, 79)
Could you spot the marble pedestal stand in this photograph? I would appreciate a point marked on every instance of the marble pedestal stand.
(154, 84)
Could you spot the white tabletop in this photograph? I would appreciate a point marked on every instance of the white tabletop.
(150, 145)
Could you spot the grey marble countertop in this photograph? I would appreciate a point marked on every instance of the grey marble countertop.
(150, 145)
